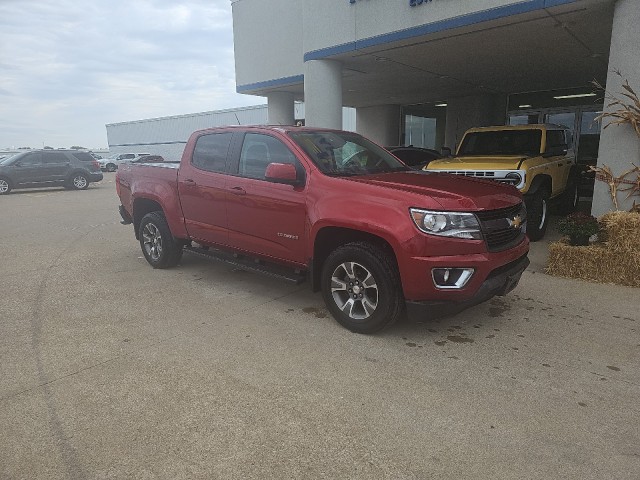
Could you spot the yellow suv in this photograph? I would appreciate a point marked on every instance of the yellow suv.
(533, 158)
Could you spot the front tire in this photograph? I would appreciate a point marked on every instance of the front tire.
(537, 214)
(568, 201)
(111, 167)
(5, 186)
(361, 287)
(158, 245)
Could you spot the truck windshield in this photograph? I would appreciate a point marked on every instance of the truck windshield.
(345, 153)
(504, 142)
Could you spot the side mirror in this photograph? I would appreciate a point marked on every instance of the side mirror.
(445, 151)
(282, 173)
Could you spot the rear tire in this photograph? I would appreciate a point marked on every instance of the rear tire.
(537, 214)
(361, 287)
(5, 186)
(79, 181)
(158, 245)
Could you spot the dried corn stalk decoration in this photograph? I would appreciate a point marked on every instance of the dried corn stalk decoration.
(604, 174)
(625, 110)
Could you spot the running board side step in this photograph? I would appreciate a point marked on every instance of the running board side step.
(250, 263)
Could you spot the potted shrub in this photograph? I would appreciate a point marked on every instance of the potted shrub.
(579, 227)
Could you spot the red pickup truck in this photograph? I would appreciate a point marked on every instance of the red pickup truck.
(331, 207)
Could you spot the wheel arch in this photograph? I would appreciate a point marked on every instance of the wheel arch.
(142, 206)
(540, 181)
(329, 238)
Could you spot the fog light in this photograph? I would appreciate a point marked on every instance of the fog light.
(451, 277)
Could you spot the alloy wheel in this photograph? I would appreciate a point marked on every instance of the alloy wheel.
(79, 182)
(543, 217)
(152, 241)
(354, 290)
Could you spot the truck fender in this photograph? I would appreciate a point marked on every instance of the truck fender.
(336, 234)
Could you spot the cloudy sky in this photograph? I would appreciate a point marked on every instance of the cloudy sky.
(68, 67)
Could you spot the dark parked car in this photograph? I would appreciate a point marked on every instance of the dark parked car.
(415, 157)
(48, 168)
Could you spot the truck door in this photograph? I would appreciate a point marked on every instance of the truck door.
(201, 187)
(265, 217)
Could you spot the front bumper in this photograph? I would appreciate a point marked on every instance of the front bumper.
(499, 282)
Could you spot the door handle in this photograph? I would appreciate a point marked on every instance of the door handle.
(189, 182)
(238, 191)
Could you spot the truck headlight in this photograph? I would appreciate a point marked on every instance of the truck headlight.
(447, 224)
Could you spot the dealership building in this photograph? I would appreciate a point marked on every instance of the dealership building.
(421, 72)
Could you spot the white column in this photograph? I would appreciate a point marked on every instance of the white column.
(619, 144)
(323, 94)
(281, 108)
(380, 123)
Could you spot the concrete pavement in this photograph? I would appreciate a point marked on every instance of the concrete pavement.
(110, 369)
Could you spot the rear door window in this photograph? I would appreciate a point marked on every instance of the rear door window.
(54, 157)
(211, 151)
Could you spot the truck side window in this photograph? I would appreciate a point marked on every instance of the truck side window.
(258, 151)
(31, 159)
(211, 150)
(556, 138)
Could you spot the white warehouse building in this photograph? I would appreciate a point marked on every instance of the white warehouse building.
(167, 136)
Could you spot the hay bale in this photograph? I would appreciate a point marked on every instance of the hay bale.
(622, 231)
(596, 263)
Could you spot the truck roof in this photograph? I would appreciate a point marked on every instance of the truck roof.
(279, 128)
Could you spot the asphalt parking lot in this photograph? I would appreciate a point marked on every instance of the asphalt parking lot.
(110, 369)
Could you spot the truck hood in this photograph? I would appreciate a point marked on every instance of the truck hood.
(486, 162)
(454, 193)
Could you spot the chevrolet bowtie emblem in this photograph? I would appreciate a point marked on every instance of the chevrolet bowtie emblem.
(515, 222)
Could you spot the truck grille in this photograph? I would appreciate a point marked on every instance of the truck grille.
(498, 227)
(469, 173)
(498, 176)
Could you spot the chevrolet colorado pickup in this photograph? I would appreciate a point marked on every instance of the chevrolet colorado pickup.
(336, 209)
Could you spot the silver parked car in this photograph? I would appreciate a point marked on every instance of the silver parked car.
(110, 163)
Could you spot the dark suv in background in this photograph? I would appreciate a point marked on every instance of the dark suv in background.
(48, 168)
